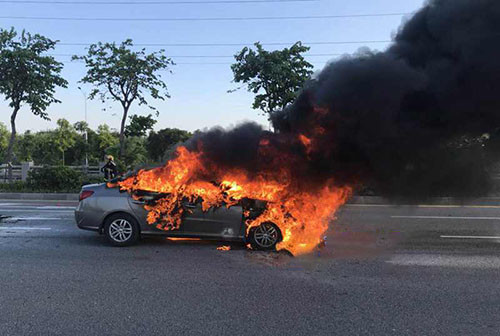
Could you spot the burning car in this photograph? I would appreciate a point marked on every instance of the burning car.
(122, 218)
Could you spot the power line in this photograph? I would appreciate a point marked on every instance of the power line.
(255, 18)
(198, 56)
(148, 2)
(207, 63)
(233, 44)
(315, 62)
(227, 63)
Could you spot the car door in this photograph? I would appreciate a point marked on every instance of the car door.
(142, 214)
(228, 222)
(195, 222)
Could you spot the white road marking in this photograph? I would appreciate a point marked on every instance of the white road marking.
(448, 217)
(423, 206)
(23, 210)
(471, 237)
(35, 202)
(31, 218)
(48, 207)
(460, 206)
(370, 205)
(25, 228)
(485, 262)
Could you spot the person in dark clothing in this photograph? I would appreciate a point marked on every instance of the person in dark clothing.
(109, 169)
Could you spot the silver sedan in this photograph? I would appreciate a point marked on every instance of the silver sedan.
(123, 220)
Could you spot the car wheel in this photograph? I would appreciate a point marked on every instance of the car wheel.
(121, 230)
(264, 236)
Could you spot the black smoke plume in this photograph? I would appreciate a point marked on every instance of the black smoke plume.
(419, 119)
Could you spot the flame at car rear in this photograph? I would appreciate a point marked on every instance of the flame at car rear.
(301, 211)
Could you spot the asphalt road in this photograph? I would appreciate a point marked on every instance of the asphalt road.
(385, 270)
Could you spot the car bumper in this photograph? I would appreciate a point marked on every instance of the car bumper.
(83, 223)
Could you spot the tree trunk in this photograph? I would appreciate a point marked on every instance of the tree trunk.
(10, 149)
(122, 130)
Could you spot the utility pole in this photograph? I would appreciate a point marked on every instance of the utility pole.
(86, 134)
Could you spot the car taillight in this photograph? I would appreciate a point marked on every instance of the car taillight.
(85, 194)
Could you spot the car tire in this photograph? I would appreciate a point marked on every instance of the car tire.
(264, 237)
(121, 229)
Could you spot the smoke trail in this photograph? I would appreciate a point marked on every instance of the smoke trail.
(418, 119)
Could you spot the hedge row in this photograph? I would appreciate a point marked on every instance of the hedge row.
(51, 179)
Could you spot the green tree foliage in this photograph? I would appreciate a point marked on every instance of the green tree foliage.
(4, 141)
(81, 127)
(136, 154)
(45, 147)
(82, 145)
(105, 140)
(27, 75)
(38, 147)
(25, 146)
(275, 77)
(64, 137)
(159, 142)
(124, 75)
(139, 125)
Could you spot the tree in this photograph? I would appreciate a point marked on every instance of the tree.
(136, 154)
(38, 147)
(159, 142)
(4, 140)
(25, 146)
(105, 139)
(65, 136)
(27, 77)
(139, 125)
(274, 76)
(81, 127)
(123, 75)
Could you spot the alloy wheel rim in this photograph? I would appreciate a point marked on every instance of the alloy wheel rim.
(266, 235)
(120, 230)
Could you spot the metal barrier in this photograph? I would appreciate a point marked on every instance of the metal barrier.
(12, 173)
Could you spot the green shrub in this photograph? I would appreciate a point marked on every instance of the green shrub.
(54, 178)
(17, 186)
(87, 179)
(58, 179)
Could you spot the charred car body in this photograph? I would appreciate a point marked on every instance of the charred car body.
(123, 219)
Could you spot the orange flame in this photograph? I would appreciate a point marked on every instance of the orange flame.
(302, 216)
(307, 142)
(224, 248)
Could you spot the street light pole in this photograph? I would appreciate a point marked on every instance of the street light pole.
(86, 133)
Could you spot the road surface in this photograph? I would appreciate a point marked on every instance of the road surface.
(386, 270)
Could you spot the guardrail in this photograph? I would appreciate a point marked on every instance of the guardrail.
(11, 173)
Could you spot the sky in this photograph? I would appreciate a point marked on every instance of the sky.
(198, 85)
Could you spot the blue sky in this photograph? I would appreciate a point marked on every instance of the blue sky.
(197, 86)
